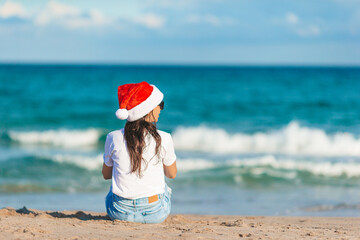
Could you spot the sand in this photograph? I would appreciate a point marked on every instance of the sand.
(34, 224)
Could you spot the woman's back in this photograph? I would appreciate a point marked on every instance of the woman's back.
(129, 184)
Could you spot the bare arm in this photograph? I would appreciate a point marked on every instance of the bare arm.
(170, 171)
(107, 172)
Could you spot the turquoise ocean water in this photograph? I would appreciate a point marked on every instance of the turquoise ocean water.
(249, 140)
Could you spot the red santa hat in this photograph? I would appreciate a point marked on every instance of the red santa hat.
(136, 100)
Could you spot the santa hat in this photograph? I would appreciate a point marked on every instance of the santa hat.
(136, 100)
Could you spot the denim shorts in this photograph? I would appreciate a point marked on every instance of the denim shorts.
(139, 210)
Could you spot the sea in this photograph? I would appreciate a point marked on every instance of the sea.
(249, 140)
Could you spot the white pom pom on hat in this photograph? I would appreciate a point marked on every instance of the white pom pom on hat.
(136, 100)
(122, 114)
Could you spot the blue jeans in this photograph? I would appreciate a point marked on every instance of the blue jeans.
(139, 210)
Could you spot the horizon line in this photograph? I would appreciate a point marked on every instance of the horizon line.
(175, 64)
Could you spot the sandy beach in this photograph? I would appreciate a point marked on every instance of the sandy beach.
(34, 224)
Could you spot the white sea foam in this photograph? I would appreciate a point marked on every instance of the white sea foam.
(271, 165)
(292, 139)
(90, 162)
(60, 138)
(283, 168)
(195, 164)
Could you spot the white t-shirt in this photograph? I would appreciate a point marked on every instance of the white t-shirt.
(129, 185)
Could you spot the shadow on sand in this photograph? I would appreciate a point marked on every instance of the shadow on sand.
(79, 214)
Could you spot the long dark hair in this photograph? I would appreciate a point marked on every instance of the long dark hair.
(135, 133)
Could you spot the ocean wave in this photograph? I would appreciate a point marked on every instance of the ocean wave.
(325, 208)
(260, 170)
(270, 165)
(273, 166)
(292, 139)
(59, 138)
(86, 162)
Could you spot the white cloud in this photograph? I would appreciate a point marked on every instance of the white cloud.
(68, 16)
(177, 5)
(291, 18)
(150, 20)
(173, 4)
(93, 18)
(209, 19)
(12, 9)
(55, 11)
(213, 20)
(300, 28)
(311, 30)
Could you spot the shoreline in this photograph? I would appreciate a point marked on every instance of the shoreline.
(35, 224)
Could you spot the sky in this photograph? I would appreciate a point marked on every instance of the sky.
(233, 32)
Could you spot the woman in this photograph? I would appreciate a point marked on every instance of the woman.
(137, 157)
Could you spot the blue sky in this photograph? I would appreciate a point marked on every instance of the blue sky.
(321, 32)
